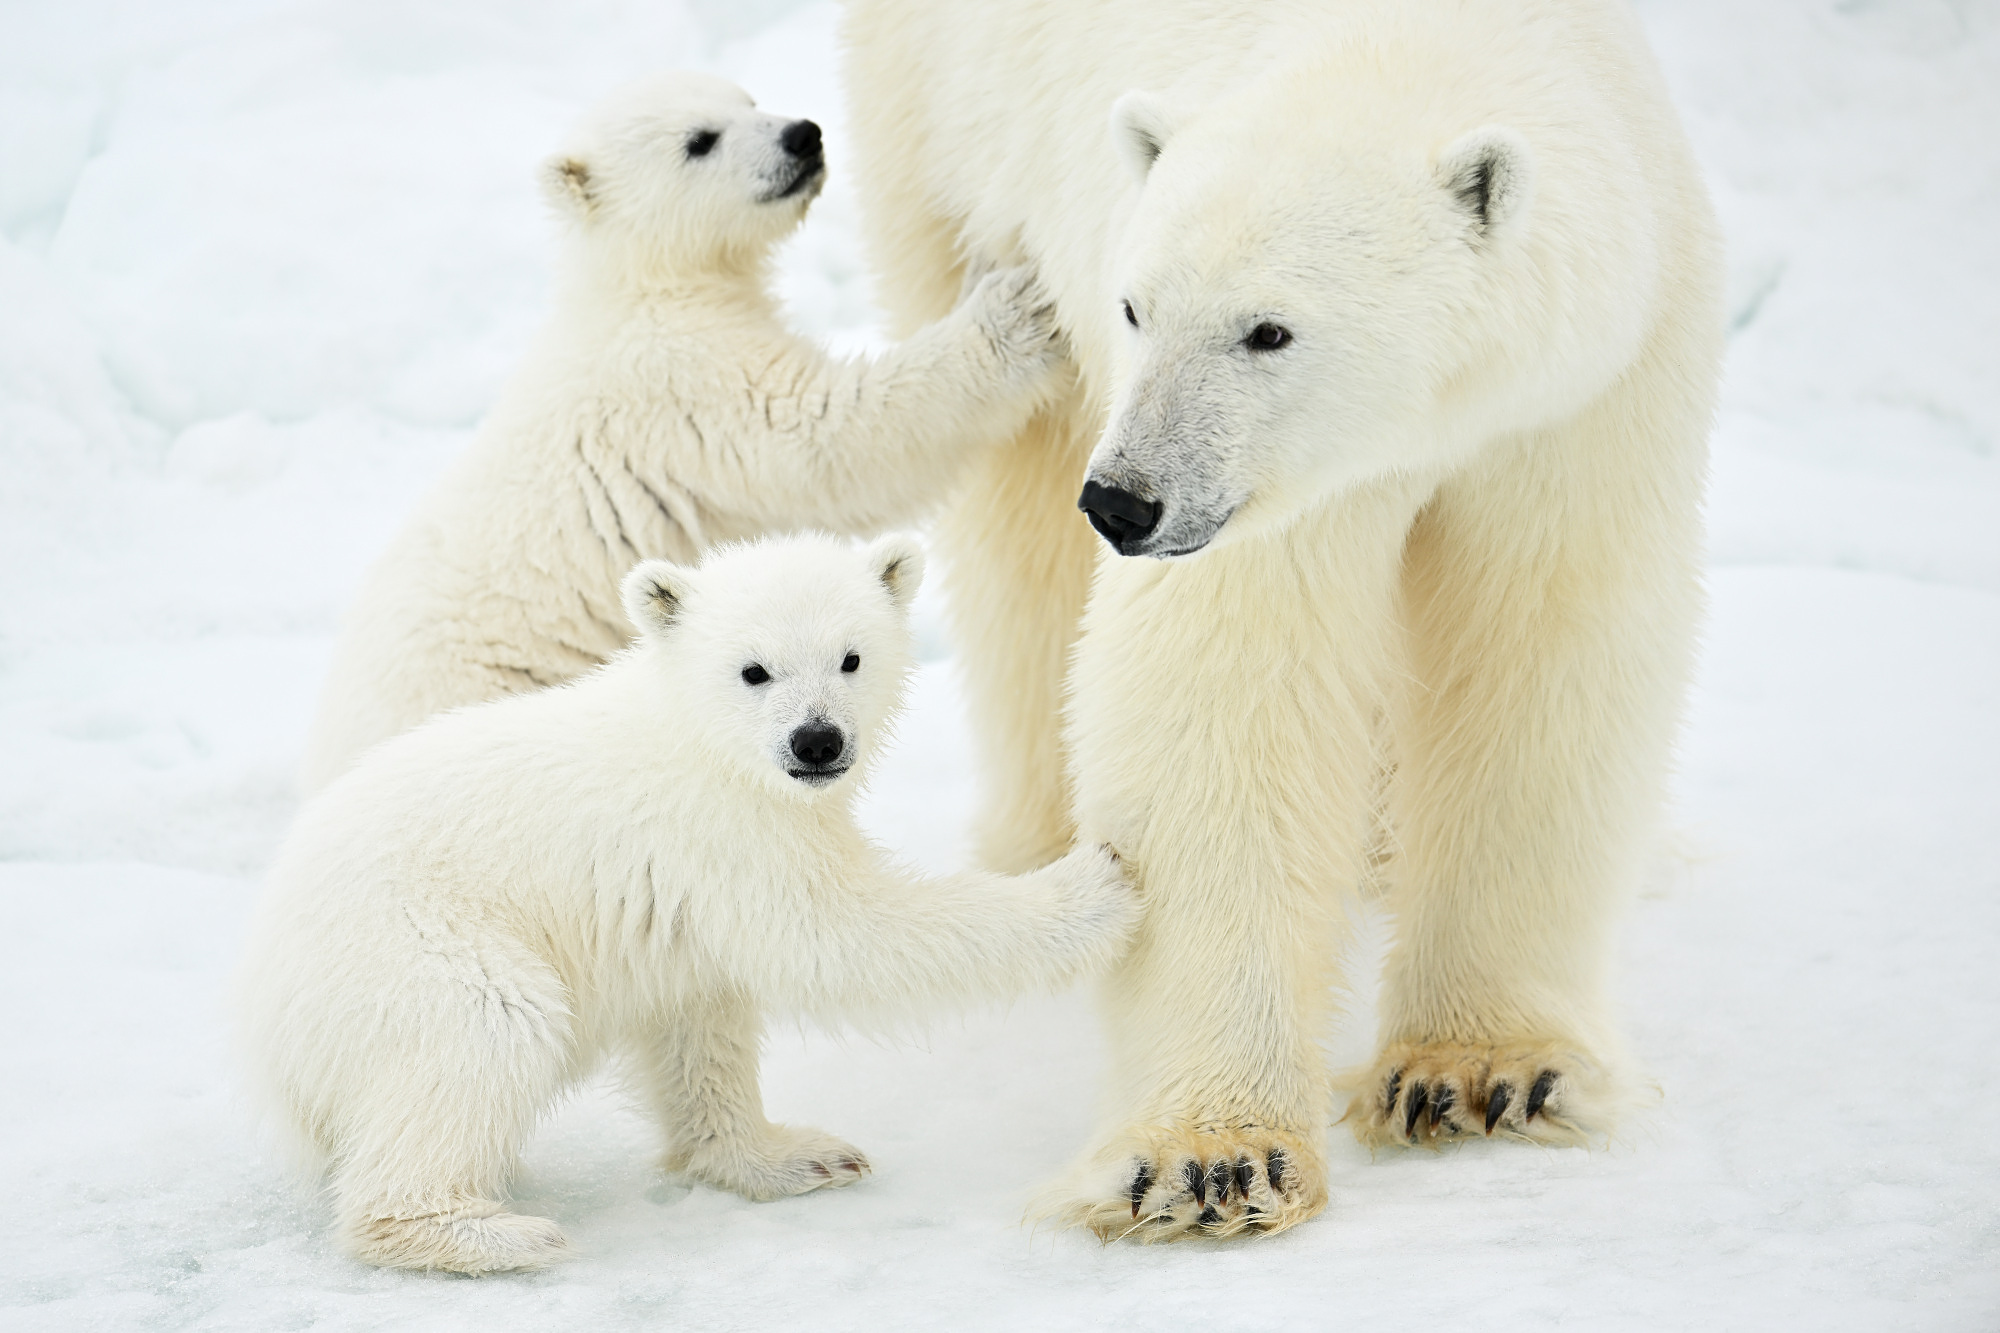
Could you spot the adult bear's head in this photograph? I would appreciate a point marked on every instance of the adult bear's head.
(1332, 277)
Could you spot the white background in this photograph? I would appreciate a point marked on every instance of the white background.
(263, 265)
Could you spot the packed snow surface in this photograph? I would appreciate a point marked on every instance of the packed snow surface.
(263, 264)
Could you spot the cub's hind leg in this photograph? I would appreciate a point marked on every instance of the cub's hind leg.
(437, 1103)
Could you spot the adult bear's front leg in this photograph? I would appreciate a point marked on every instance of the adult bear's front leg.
(1223, 727)
(1223, 1092)
(1549, 648)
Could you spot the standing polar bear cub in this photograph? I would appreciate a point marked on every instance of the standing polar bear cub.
(666, 407)
(643, 861)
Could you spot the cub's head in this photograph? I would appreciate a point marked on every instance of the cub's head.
(681, 173)
(788, 656)
(1331, 278)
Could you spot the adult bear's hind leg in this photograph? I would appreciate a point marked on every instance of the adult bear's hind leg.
(1018, 559)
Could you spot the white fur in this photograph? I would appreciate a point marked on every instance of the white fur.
(461, 925)
(666, 407)
(1438, 571)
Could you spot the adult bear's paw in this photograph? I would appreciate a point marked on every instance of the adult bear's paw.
(1432, 1092)
(1170, 1183)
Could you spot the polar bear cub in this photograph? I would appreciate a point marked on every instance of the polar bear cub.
(665, 408)
(641, 862)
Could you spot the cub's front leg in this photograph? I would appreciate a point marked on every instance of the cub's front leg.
(700, 1075)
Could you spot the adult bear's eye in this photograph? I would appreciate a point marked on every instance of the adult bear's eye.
(701, 141)
(755, 674)
(1268, 338)
(851, 663)
(1130, 318)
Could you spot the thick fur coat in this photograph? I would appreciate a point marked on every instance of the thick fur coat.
(643, 862)
(1397, 325)
(666, 407)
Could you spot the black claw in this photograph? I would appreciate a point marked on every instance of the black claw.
(1389, 1094)
(1142, 1180)
(1538, 1096)
(1197, 1183)
(1220, 1178)
(1245, 1174)
(1419, 1098)
(1274, 1168)
(1497, 1101)
(1444, 1101)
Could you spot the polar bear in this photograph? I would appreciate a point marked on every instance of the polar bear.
(644, 860)
(1397, 325)
(665, 407)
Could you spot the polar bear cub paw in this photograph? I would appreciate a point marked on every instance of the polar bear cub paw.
(1428, 1093)
(480, 1236)
(780, 1162)
(1018, 317)
(1210, 1179)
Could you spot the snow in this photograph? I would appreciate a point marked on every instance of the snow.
(262, 265)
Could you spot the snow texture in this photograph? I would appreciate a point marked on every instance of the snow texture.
(262, 264)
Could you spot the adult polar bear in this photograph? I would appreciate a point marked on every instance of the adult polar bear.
(1405, 314)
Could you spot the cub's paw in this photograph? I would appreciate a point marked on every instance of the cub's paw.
(1019, 317)
(1430, 1093)
(1100, 909)
(479, 1236)
(780, 1162)
(1159, 1184)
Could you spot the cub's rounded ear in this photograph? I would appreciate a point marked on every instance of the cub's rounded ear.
(898, 560)
(1490, 173)
(655, 593)
(566, 184)
(1141, 124)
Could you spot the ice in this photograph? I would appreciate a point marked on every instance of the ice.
(262, 266)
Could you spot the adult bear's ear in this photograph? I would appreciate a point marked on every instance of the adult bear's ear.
(1490, 174)
(655, 593)
(1141, 124)
(566, 185)
(898, 560)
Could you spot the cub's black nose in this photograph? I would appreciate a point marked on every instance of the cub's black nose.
(1119, 516)
(800, 139)
(817, 744)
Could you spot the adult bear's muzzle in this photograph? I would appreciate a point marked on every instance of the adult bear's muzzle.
(1120, 517)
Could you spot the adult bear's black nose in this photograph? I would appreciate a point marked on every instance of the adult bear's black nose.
(817, 744)
(1120, 517)
(800, 139)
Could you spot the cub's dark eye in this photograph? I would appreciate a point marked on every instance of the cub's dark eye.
(701, 141)
(1268, 338)
(1130, 318)
(851, 663)
(755, 674)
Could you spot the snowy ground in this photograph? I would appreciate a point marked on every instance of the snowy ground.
(261, 266)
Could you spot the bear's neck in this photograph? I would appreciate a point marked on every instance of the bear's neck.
(620, 285)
